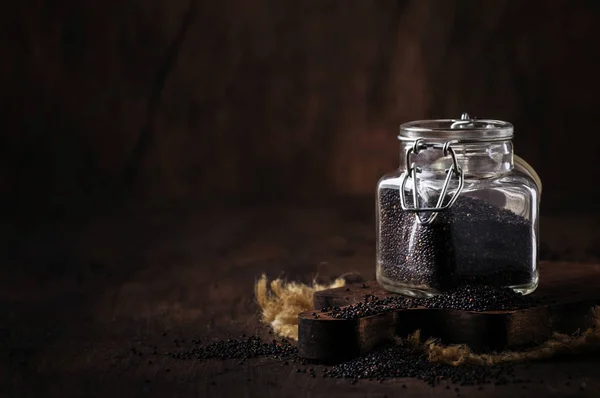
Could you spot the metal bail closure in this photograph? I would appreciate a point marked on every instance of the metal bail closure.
(412, 170)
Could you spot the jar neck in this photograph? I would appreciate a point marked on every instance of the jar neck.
(478, 160)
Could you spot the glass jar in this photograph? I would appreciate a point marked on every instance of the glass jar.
(461, 210)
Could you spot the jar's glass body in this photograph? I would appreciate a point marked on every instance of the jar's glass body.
(488, 236)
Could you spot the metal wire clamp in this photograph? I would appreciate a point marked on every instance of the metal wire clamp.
(412, 170)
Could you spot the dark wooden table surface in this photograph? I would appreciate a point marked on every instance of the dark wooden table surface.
(76, 297)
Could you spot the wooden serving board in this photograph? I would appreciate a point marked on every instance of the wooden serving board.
(567, 292)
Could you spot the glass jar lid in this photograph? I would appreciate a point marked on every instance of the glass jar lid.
(465, 129)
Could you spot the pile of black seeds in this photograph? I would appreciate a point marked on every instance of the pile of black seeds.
(479, 298)
(387, 362)
(244, 348)
(383, 363)
(370, 306)
(400, 361)
(467, 298)
(472, 242)
(392, 361)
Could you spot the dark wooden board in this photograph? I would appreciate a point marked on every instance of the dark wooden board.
(567, 292)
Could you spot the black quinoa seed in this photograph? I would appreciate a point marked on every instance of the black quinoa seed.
(467, 298)
(399, 361)
(472, 243)
(248, 347)
(394, 361)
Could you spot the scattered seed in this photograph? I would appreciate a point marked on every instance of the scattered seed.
(398, 361)
(468, 298)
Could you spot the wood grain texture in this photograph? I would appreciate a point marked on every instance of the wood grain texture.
(567, 292)
(279, 100)
(76, 297)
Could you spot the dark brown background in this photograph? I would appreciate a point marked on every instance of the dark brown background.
(158, 156)
(282, 100)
